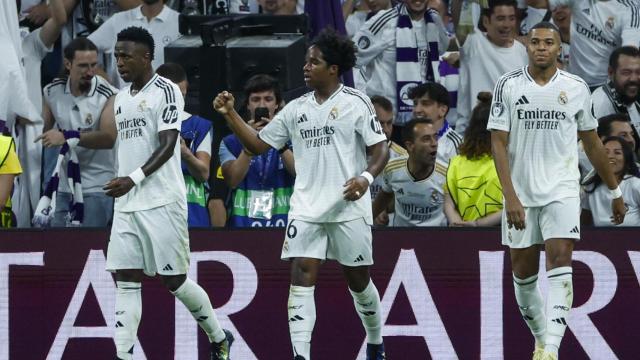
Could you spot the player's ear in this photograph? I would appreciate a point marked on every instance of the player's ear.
(67, 65)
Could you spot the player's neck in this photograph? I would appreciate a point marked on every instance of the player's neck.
(541, 76)
(323, 93)
(77, 90)
(415, 15)
(139, 83)
(153, 10)
(419, 171)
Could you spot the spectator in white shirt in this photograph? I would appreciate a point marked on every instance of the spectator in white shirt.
(486, 57)
(160, 20)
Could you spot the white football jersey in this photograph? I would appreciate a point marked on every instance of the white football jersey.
(417, 202)
(82, 113)
(599, 202)
(543, 124)
(395, 151)
(329, 147)
(598, 28)
(139, 119)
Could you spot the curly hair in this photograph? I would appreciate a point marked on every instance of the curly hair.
(477, 139)
(138, 35)
(336, 49)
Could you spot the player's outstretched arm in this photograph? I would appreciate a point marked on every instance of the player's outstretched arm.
(595, 152)
(223, 103)
(512, 205)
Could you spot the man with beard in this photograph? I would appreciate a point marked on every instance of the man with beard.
(80, 106)
(160, 20)
(620, 94)
(416, 180)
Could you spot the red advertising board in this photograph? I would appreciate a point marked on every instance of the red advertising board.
(445, 295)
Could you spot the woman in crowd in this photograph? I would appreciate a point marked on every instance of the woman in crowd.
(596, 200)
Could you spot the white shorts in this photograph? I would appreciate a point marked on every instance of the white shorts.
(154, 240)
(348, 242)
(557, 220)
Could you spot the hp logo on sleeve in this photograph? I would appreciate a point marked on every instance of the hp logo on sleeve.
(170, 114)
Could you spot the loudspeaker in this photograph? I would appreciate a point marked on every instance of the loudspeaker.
(281, 56)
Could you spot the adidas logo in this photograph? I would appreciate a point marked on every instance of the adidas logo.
(296, 318)
(587, 11)
(560, 321)
(401, 192)
(367, 313)
(302, 118)
(167, 268)
(202, 318)
(118, 111)
(523, 100)
(75, 108)
(119, 324)
(359, 258)
(575, 230)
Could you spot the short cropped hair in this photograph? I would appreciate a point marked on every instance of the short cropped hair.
(383, 102)
(138, 35)
(623, 50)
(78, 44)
(408, 130)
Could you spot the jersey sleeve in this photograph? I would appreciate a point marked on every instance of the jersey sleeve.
(374, 37)
(277, 132)
(500, 117)
(631, 26)
(367, 124)
(205, 144)
(225, 154)
(586, 116)
(171, 105)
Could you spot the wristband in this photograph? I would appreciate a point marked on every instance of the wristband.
(615, 193)
(71, 134)
(137, 176)
(367, 175)
(284, 148)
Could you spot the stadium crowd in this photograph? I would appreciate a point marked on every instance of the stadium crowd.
(428, 66)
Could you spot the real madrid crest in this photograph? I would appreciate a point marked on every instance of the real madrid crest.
(89, 119)
(142, 106)
(333, 114)
(562, 98)
(610, 23)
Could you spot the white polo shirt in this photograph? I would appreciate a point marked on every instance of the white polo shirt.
(163, 28)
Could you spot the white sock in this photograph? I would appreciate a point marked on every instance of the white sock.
(368, 307)
(559, 302)
(197, 302)
(302, 319)
(128, 313)
(531, 306)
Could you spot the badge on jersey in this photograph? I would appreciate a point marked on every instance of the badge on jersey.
(562, 98)
(170, 114)
(497, 109)
(364, 42)
(610, 23)
(89, 119)
(142, 106)
(333, 114)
